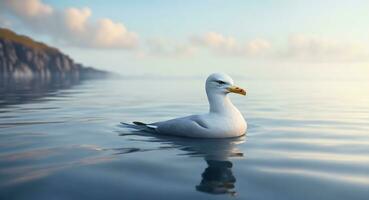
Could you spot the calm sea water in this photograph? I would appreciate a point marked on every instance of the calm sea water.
(62, 140)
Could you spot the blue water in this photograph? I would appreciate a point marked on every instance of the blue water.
(62, 140)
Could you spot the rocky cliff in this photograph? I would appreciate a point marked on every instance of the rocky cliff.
(21, 57)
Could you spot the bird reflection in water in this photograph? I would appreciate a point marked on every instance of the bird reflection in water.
(217, 177)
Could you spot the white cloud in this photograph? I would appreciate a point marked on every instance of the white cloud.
(257, 46)
(76, 19)
(163, 47)
(71, 26)
(310, 48)
(230, 46)
(111, 34)
(74, 27)
(298, 47)
(29, 8)
(215, 40)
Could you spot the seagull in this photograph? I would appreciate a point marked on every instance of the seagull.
(223, 120)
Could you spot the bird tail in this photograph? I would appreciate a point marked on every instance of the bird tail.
(140, 126)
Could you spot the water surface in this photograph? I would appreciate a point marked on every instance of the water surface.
(62, 140)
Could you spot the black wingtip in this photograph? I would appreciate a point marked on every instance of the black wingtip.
(139, 123)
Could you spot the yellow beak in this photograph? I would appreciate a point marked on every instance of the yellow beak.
(237, 90)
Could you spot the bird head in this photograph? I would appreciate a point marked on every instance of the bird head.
(220, 83)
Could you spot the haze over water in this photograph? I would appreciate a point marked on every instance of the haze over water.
(304, 64)
(306, 140)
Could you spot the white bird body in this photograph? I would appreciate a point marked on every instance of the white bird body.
(223, 120)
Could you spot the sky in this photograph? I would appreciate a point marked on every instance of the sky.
(286, 39)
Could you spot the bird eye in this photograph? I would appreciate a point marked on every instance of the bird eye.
(220, 82)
